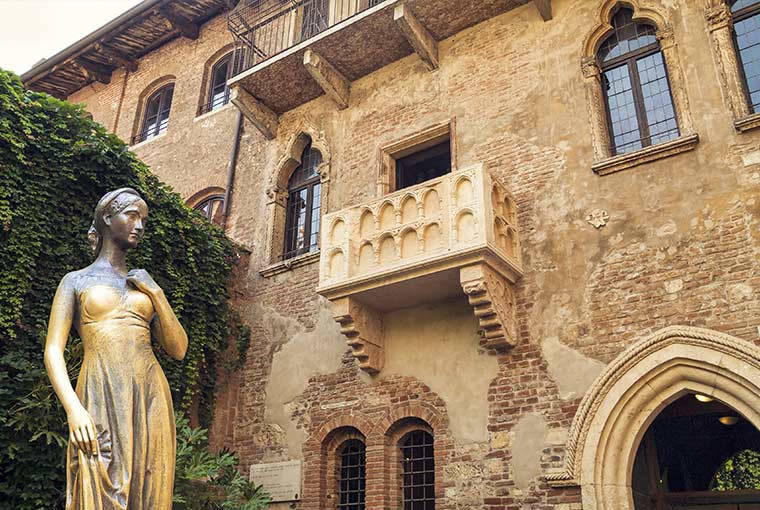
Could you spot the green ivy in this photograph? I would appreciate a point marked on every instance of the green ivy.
(740, 472)
(54, 166)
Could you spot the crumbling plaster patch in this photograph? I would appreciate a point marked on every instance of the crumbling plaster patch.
(303, 354)
(573, 372)
(530, 437)
(438, 345)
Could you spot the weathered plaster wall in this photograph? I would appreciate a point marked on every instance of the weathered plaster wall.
(681, 245)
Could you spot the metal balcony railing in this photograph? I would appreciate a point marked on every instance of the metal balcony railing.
(263, 28)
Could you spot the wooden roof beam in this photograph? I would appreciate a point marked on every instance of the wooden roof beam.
(335, 85)
(116, 57)
(544, 8)
(417, 35)
(186, 27)
(93, 71)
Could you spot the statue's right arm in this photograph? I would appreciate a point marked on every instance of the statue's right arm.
(81, 428)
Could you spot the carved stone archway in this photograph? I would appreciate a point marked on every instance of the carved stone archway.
(630, 393)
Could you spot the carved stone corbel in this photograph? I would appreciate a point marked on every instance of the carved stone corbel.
(363, 329)
(492, 298)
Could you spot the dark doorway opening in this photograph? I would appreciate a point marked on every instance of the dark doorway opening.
(698, 454)
(423, 165)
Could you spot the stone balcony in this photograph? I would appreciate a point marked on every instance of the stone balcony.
(284, 60)
(423, 244)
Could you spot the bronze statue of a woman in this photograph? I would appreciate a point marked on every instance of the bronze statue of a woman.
(122, 439)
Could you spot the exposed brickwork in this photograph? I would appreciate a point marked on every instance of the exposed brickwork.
(681, 245)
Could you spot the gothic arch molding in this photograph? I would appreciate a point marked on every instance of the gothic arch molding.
(634, 388)
(599, 33)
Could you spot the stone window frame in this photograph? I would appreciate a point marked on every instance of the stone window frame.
(208, 68)
(409, 144)
(277, 199)
(196, 199)
(720, 26)
(604, 160)
(142, 104)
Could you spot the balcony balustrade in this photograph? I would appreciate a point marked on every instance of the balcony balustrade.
(289, 52)
(422, 244)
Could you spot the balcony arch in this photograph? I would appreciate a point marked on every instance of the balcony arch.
(626, 398)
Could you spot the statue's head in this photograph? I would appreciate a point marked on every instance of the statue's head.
(119, 216)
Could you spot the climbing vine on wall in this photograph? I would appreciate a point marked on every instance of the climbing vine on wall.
(54, 166)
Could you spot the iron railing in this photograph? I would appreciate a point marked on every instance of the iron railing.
(263, 28)
(216, 102)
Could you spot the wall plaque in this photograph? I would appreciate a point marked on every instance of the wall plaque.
(281, 479)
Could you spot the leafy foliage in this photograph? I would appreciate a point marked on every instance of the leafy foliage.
(54, 166)
(740, 472)
(208, 481)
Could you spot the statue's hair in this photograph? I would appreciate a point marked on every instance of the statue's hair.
(111, 203)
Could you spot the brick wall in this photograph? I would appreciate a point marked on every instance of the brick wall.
(680, 247)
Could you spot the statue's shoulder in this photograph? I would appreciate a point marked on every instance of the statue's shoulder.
(73, 279)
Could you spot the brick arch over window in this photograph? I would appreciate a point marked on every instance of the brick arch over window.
(605, 161)
(142, 102)
(277, 191)
(721, 26)
(214, 194)
(634, 388)
(319, 457)
(208, 68)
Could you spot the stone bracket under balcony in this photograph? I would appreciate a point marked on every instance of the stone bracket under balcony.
(423, 244)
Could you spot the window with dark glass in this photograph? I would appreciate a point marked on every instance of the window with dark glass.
(211, 208)
(746, 15)
(418, 471)
(315, 17)
(219, 93)
(351, 475)
(302, 213)
(640, 108)
(423, 165)
(156, 118)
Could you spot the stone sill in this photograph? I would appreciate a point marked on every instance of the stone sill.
(146, 142)
(287, 265)
(747, 123)
(213, 112)
(646, 155)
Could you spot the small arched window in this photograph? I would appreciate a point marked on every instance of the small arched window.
(351, 475)
(156, 117)
(302, 213)
(218, 92)
(746, 18)
(635, 83)
(211, 208)
(417, 471)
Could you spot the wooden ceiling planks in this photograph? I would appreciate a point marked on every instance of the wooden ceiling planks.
(124, 45)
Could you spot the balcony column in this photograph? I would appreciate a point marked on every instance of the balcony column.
(492, 298)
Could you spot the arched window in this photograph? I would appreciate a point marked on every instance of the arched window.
(302, 213)
(746, 18)
(635, 83)
(417, 471)
(211, 208)
(156, 116)
(218, 92)
(351, 477)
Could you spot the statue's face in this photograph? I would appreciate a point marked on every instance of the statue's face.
(127, 227)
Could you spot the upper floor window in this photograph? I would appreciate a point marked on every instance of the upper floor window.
(218, 92)
(423, 165)
(746, 18)
(640, 109)
(211, 208)
(351, 475)
(303, 206)
(417, 471)
(156, 117)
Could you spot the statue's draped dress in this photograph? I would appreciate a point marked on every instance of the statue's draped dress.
(126, 393)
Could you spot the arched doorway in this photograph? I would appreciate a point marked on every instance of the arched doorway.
(698, 454)
(636, 388)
